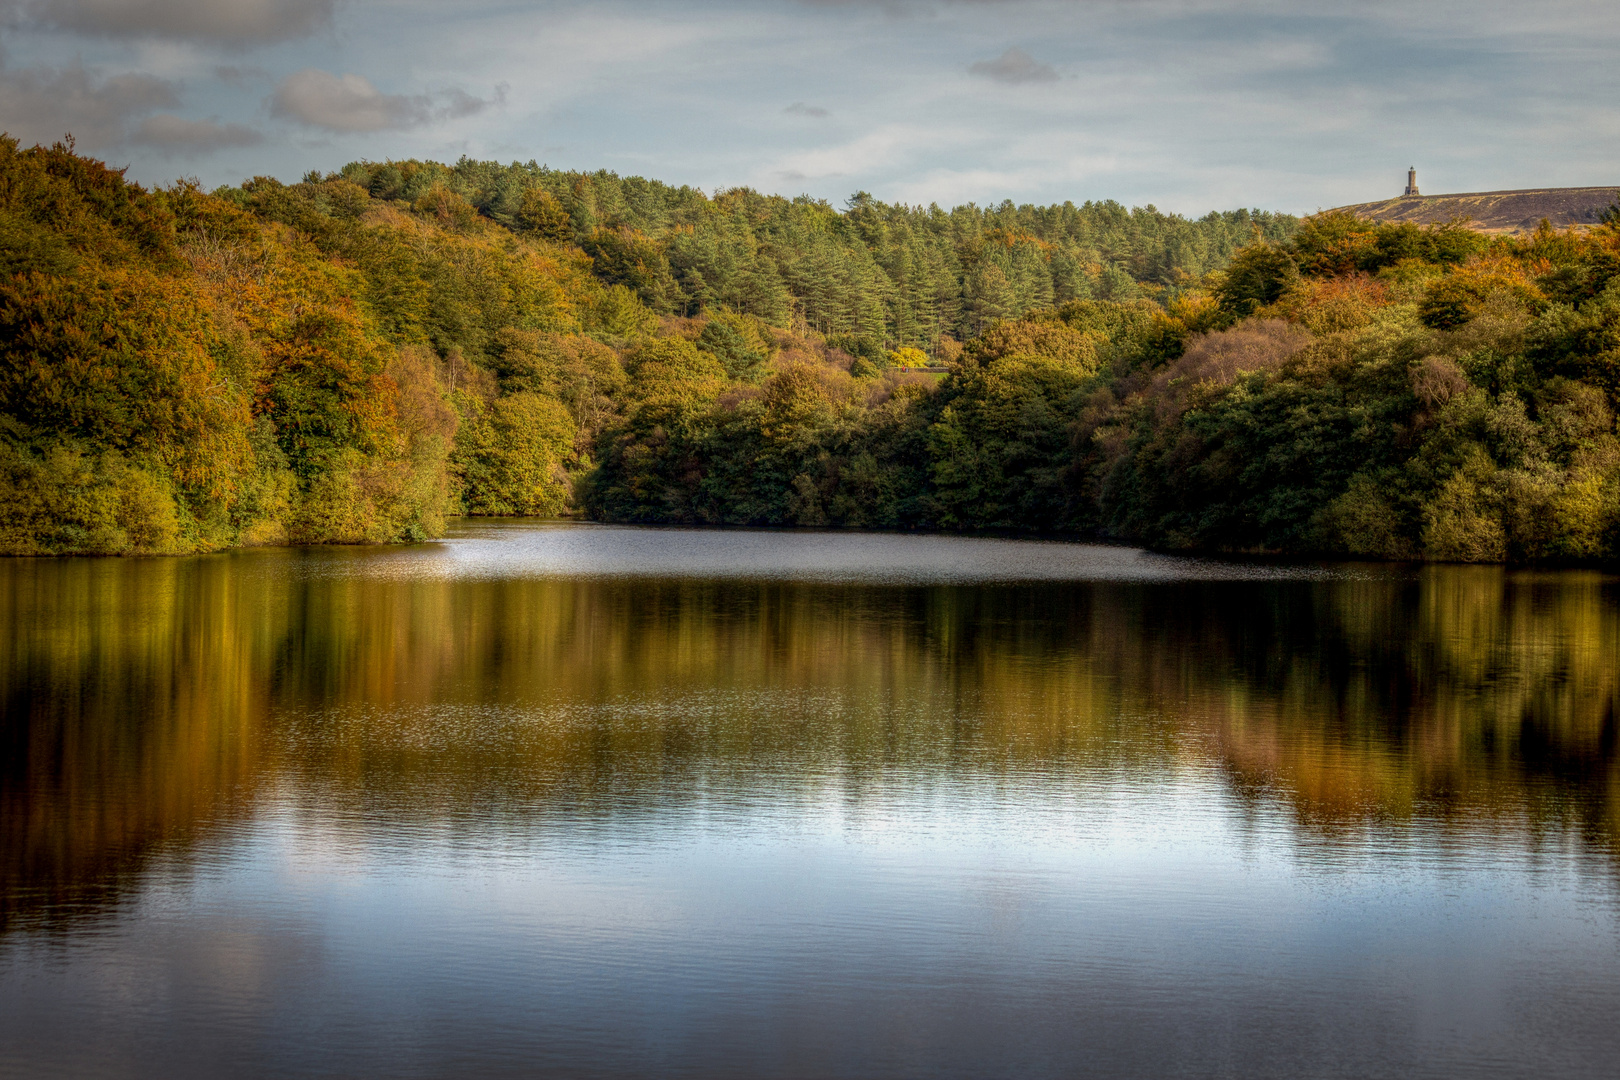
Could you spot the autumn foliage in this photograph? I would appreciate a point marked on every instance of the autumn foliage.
(359, 356)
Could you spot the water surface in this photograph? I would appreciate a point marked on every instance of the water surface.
(587, 801)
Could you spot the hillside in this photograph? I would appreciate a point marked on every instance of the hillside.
(872, 276)
(354, 357)
(358, 356)
(1500, 212)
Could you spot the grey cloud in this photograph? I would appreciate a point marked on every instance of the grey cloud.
(42, 104)
(893, 8)
(227, 22)
(232, 75)
(343, 103)
(170, 132)
(458, 104)
(923, 9)
(799, 108)
(350, 103)
(1015, 66)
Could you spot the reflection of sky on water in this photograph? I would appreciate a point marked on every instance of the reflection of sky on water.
(495, 549)
(942, 928)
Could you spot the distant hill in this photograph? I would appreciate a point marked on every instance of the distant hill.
(1497, 211)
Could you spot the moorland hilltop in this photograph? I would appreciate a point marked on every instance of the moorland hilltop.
(1497, 212)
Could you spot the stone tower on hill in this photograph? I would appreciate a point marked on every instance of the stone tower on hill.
(1411, 181)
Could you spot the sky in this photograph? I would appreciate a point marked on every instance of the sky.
(1187, 105)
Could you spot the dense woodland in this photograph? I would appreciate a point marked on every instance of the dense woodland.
(356, 357)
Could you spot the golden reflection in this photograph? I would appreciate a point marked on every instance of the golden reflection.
(147, 700)
(134, 695)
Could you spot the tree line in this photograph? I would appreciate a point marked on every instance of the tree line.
(357, 356)
(1361, 389)
(875, 276)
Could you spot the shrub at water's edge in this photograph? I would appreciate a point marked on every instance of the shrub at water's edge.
(358, 356)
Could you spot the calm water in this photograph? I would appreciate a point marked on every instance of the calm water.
(584, 801)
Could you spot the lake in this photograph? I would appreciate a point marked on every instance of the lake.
(576, 800)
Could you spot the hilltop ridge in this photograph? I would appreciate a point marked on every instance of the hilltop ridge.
(1508, 212)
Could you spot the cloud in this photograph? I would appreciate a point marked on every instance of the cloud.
(170, 132)
(457, 104)
(1205, 103)
(1043, 168)
(41, 104)
(799, 108)
(1014, 67)
(227, 22)
(883, 147)
(350, 103)
(233, 75)
(343, 103)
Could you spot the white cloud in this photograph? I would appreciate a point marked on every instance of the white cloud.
(886, 146)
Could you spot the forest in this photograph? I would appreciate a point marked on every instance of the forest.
(360, 356)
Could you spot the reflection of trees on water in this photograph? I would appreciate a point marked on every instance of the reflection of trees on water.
(133, 695)
(1469, 693)
(146, 700)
